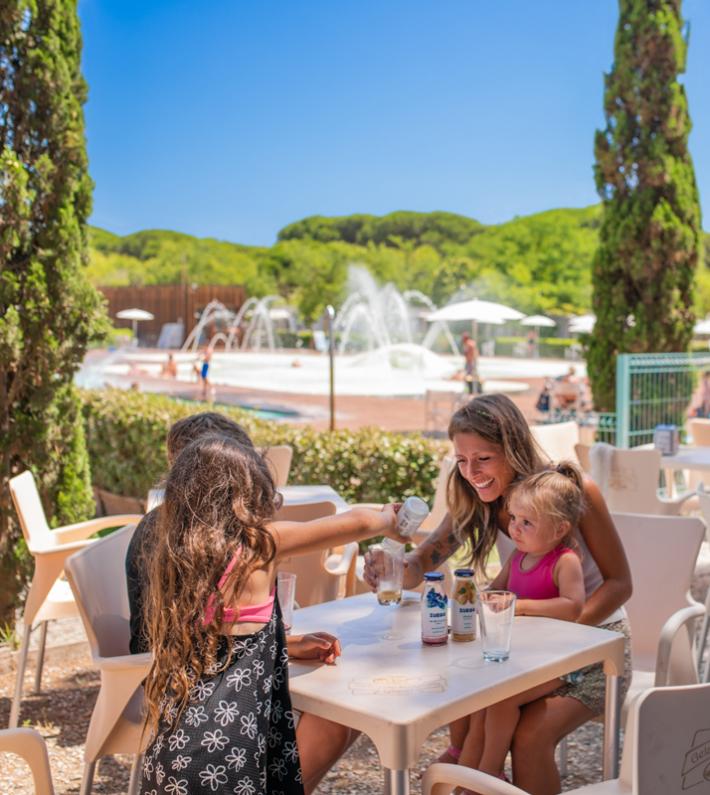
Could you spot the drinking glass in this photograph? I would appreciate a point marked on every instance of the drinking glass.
(286, 591)
(496, 610)
(390, 557)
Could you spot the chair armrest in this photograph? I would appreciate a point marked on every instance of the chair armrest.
(75, 532)
(126, 662)
(440, 779)
(339, 564)
(670, 629)
(680, 499)
(373, 506)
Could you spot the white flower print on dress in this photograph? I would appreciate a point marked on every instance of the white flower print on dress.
(266, 684)
(158, 745)
(275, 737)
(176, 786)
(258, 668)
(291, 751)
(226, 712)
(290, 718)
(159, 773)
(194, 716)
(245, 786)
(240, 678)
(181, 762)
(277, 711)
(236, 758)
(214, 776)
(148, 767)
(178, 740)
(262, 778)
(214, 741)
(261, 744)
(278, 768)
(202, 690)
(249, 726)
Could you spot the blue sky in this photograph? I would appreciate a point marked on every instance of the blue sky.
(233, 118)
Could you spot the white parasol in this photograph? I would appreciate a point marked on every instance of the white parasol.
(134, 315)
(538, 321)
(582, 324)
(702, 327)
(476, 310)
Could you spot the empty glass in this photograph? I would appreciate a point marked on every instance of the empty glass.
(496, 611)
(286, 591)
(390, 556)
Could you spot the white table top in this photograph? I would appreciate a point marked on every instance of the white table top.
(300, 495)
(397, 691)
(687, 457)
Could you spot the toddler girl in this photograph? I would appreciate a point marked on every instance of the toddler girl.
(545, 573)
(218, 707)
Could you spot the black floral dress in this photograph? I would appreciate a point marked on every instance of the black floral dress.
(238, 733)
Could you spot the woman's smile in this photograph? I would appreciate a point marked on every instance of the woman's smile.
(483, 465)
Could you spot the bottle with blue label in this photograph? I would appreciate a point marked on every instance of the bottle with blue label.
(463, 606)
(435, 628)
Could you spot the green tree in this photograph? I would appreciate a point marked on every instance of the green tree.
(650, 236)
(48, 311)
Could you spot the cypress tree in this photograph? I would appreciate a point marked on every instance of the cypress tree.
(650, 236)
(48, 310)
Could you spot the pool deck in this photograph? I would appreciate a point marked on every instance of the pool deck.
(352, 412)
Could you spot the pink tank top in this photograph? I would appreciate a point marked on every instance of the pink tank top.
(536, 583)
(253, 614)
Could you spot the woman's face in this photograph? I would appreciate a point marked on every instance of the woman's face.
(483, 465)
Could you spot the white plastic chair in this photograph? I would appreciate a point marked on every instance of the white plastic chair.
(439, 405)
(628, 479)
(439, 506)
(279, 457)
(665, 751)
(557, 439)
(320, 575)
(30, 746)
(704, 503)
(97, 578)
(699, 429)
(49, 596)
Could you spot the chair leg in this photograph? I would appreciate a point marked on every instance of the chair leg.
(135, 780)
(21, 665)
(562, 745)
(40, 656)
(87, 780)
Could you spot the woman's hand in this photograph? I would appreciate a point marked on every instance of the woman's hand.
(372, 572)
(314, 646)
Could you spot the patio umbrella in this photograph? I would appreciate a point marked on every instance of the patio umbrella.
(702, 326)
(538, 321)
(582, 324)
(134, 315)
(476, 311)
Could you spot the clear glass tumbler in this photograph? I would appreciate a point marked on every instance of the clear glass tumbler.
(286, 592)
(496, 611)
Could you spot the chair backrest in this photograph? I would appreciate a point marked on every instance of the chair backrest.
(700, 431)
(98, 579)
(30, 512)
(557, 440)
(279, 457)
(314, 584)
(670, 741)
(662, 551)
(581, 450)
(439, 506)
(631, 483)
(30, 746)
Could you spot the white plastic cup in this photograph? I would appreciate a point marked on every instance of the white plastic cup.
(410, 516)
(286, 592)
(496, 611)
(391, 568)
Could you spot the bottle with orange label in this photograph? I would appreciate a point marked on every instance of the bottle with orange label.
(463, 606)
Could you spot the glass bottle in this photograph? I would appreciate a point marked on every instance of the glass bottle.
(435, 630)
(463, 606)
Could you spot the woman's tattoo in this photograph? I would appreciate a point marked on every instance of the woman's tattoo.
(441, 550)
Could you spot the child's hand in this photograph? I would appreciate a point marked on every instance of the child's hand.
(314, 646)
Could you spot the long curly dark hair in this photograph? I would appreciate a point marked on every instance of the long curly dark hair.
(219, 497)
(499, 421)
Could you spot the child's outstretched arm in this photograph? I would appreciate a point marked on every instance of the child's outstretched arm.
(568, 605)
(297, 538)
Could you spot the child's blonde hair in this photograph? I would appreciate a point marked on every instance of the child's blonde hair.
(556, 493)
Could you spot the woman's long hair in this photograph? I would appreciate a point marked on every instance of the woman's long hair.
(496, 419)
(219, 497)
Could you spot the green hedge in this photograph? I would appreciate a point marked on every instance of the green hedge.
(125, 433)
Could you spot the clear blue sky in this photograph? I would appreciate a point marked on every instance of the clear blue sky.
(233, 118)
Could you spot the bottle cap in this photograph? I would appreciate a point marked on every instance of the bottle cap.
(416, 506)
(463, 573)
(433, 576)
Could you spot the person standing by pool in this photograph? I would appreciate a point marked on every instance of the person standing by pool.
(204, 374)
(494, 448)
(470, 355)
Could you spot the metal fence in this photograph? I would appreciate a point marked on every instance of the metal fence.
(653, 389)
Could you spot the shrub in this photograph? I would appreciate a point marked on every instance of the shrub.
(126, 432)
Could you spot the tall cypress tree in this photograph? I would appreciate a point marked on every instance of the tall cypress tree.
(48, 310)
(649, 242)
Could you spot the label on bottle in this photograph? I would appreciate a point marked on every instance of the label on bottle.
(463, 611)
(435, 628)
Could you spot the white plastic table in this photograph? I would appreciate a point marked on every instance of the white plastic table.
(397, 691)
(697, 458)
(300, 495)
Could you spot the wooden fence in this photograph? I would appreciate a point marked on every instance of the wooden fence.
(169, 303)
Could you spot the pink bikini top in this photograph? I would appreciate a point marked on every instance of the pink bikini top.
(538, 582)
(252, 614)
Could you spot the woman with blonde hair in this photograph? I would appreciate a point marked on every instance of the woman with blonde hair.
(494, 449)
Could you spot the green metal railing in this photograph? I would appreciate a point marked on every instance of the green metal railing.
(653, 389)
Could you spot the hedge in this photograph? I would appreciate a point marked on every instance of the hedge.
(125, 434)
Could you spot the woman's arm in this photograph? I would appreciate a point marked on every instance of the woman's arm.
(569, 604)
(604, 544)
(430, 554)
(297, 538)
